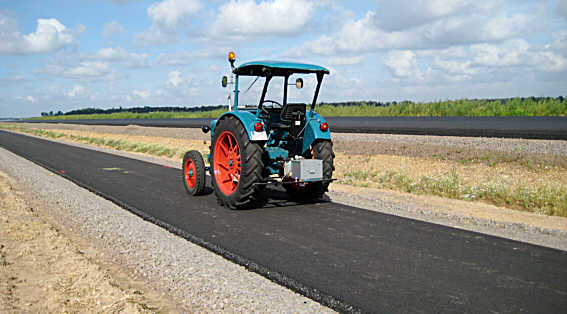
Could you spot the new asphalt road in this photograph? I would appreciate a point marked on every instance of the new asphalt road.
(550, 128)
(347, 258)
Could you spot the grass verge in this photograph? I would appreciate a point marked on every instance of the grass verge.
(138, 147)
(542, 199)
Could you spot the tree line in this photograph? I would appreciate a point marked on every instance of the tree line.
(369, 103)
(145, 109)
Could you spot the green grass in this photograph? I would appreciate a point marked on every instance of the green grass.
(462, 107)
(545, 200)
(152, 149)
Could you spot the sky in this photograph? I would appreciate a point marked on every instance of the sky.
(72, 54)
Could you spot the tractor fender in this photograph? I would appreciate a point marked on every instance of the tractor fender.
(313, 131)
(248, 120)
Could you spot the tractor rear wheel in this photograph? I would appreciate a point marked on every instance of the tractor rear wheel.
(194, 172)
(236, 165)
(312, 191)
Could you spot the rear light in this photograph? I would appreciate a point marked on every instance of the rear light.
(324, 127)
(259, 127)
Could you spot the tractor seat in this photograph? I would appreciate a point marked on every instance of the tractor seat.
(280, 126)
(288, 114)
(293, 111)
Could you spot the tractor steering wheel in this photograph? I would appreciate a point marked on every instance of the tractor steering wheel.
(273, 102)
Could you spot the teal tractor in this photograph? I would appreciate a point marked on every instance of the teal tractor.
(271, 142)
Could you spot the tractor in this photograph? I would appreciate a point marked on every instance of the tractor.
(271, 142)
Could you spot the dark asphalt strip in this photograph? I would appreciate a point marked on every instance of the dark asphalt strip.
(549, 128)
(344, 257)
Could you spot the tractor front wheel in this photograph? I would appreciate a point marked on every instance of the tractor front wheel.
(236, 166)
(194, 172)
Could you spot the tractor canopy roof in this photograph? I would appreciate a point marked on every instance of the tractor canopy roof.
(277, 68)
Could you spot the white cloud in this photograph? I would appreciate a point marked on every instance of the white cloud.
(105, 64)
(346, 60)
(174, 78)
(88, 69)
(559, 42)
(169, 13)
(355, 36)
(548, 61)
(166, 16)
(454, 66)
(111, 29)
(76, 91)
(27, 98)
(509, 53)
(144, 94)
(83, 70)
(50, 35)
(120, 55)
(247, 18)
(340, 81)
(461, 23)
(480, 63)
(403, 64)
(517, 52)
(451, 52)
(502, 26)
(395, 15)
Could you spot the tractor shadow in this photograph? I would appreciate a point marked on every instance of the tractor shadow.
(278, 197)
(275, 196)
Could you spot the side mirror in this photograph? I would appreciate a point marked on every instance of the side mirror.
(224, 81)
(299, 83)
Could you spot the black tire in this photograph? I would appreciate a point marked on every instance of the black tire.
(314, 191)
(193, 173)
(247, 194)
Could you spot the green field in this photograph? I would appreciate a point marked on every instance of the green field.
(542, 106)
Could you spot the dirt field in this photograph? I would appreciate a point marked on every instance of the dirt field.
(47, 270)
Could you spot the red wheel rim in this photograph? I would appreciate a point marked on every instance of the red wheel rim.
(227, 163)
(190, 173)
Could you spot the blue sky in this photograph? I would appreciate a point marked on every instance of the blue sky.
(64, 55)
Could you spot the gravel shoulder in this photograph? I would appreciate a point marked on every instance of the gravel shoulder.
(191, 275)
